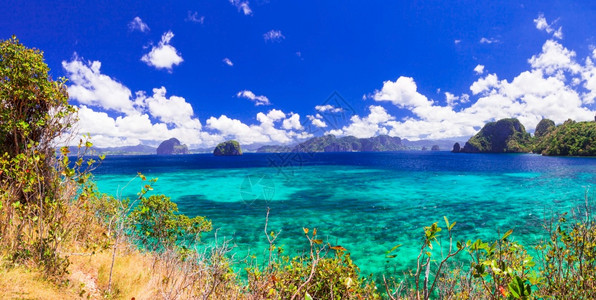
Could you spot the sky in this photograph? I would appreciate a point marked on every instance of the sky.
(279, 72)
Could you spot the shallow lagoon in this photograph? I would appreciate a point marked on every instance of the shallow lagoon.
(366, 202)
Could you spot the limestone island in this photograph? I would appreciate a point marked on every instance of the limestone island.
(172, 146)
(227, 148)
(509, 136)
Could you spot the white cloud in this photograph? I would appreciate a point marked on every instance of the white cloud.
(451, 99)
(194, 17)
(172, 110)
(485, 40)
(329, 108)
(292, 122)
(555, 58)
(110, 114)
(373, 124)
(258, 100)
(265, 132)
(479, 69)
(402, 93)
(457, 41)
(317, 120)
(228, 62)
(138, 24)
(273, 36)
(542, 24)
(164, 55)
(484, 84)
(547, 90)
(88, 86)
(242, 6)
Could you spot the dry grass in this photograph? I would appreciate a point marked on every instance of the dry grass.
(132, 275)
(24, 283)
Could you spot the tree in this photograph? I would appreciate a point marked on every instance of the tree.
(34, 111)
(35, 108)
(34, 185)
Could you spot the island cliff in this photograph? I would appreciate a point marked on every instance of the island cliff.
(228, 148)
(171, 146)
(509, 136)
(568, 139)
(503, 136)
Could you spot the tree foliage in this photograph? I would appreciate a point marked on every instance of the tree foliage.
(159, 225)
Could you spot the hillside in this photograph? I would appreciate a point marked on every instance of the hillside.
(569, 139)
(503, 136)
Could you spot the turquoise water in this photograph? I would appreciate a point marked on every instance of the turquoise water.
(366, 202)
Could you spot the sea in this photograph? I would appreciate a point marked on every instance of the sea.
(365, 202)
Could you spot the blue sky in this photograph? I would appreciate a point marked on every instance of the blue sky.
(263, 71)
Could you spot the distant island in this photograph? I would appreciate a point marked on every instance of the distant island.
(509, 136)
(330, 143)
(171, 146)
(228, 148)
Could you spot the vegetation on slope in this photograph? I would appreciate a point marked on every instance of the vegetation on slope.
(503, 136)
(509, 136)
(228, 148)
(570, 138)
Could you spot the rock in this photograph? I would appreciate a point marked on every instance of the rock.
(569, 139)
(544, 127)
(435, 148)
(456, 148)
(227, 148)
(171, 146)
(503, 136)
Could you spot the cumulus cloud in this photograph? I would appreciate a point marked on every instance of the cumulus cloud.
(173, 110)
(328, 108)
(555, 58)
(194, 17)
(292, 122)
(164, 55)
(258, 100)
(556, 86)
(138, 24)
(542, 24)
(317, 121)
(242, 6)
(228, 62)
(273, 36)
(90, 87)
(479, 69)
(112, 115)
(265, 132)
(364, 127)
(403, 93)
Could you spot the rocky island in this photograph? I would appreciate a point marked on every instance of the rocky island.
(227, 148)
(172, 146)
(503, 136)
(509, 136)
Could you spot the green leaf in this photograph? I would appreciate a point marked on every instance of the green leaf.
(307, 296)
(394, 248)
(508, 233)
